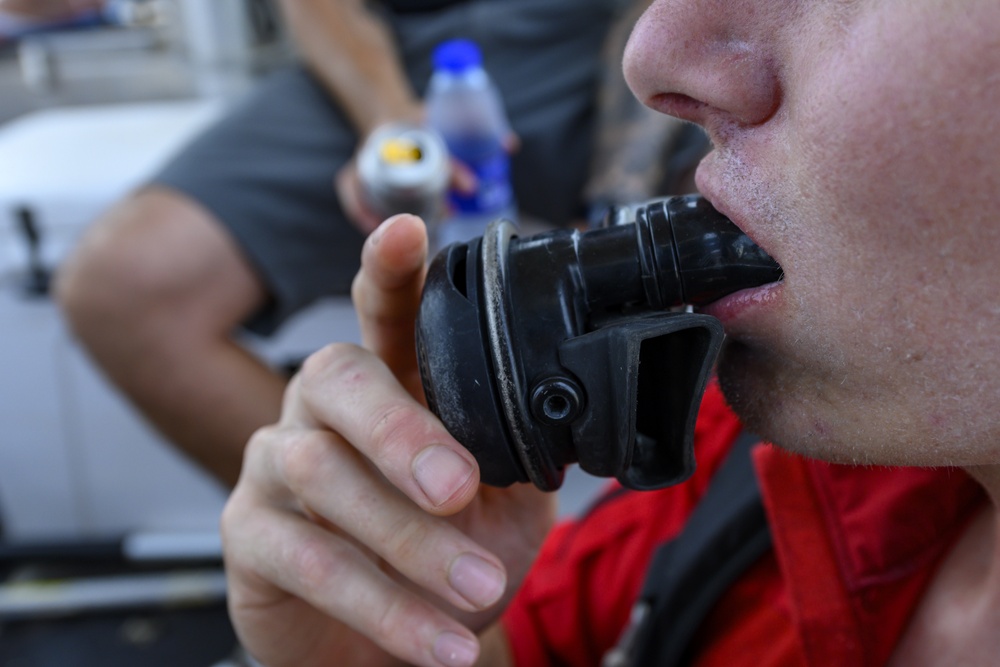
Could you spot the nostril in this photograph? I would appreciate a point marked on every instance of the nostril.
(714, 68)
(680, 105)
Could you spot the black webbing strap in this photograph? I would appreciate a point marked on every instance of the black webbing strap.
(726, 533)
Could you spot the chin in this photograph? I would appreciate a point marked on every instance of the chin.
(747, 383)
(768, 395)
(797, 408)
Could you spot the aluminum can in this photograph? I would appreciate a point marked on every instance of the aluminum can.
(404, 168)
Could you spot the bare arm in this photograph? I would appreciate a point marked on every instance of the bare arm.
(354, 54)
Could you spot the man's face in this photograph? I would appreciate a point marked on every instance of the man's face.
(858, 142)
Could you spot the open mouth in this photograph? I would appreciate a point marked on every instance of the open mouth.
(713, 256)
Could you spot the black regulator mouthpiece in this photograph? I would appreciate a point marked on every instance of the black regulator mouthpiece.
(570, 347)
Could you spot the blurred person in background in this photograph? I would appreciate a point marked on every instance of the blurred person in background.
(246, 226)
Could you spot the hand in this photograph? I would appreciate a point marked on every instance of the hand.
(358, 532)
(350, 191)
(347, 183)
(352, 196)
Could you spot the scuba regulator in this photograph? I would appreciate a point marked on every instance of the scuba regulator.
(575, 346)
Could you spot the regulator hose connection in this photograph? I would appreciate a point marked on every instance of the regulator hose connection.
(570, 347)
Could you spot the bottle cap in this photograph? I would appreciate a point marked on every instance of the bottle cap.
(457, 55)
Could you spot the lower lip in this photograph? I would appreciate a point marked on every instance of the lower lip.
(738, 306)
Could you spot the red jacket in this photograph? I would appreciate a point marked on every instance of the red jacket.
(853, 550)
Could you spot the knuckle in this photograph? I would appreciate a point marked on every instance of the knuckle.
(239, 523)
(400, 611)
(259, 441)
(257, 453)
(406, 540)
(230, 519)
(302, 459)
(336, 360)
(316, 565)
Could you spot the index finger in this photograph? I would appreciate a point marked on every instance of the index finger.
(386, 293)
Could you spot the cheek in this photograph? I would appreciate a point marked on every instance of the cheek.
(894, 147)
(895, 137)
(895, 127)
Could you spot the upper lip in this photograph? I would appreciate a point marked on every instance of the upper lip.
(710, 188)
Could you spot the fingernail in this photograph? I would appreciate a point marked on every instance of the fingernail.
(477, 580)
(441, 473)
(454, 650)
(382, 229)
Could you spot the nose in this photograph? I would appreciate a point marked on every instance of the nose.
(707, 61)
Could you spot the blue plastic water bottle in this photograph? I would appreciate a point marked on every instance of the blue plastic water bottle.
(464, 106)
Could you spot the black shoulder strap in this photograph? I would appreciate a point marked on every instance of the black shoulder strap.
(726, 533)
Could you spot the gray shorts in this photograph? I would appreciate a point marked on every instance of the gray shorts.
(266, 169)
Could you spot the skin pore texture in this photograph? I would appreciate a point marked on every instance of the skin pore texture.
(856, 142)
(864, 157)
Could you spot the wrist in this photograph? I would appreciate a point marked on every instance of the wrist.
(412, 114)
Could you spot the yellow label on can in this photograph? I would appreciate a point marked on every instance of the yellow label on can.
(400, 150)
